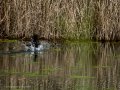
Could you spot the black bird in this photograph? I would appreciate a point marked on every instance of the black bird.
(34, 40)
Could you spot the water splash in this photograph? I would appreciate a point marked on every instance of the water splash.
(41, 46)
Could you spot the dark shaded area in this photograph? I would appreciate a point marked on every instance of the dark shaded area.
(34, 40)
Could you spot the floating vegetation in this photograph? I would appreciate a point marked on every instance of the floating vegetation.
(67, 41)
(101, 66)
(58, 49)
(25, 73)
(110, 60)
(81, 87)
(93, 42)
(12, 56)
(116, 56)
(101, 80)
(32, 82)
(82, 77)
(9, 40)
(117, 75)
(107, 89)
(50, 70)
(75, 43)
(2, 75)
(19, 89)
(33, 62)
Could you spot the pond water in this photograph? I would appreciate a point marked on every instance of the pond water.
(64, 66)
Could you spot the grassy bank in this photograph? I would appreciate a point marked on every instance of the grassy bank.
(53, 19)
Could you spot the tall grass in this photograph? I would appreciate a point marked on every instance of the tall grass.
(56, 19)
(108, 20)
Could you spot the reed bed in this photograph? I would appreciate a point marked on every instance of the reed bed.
(107, 20)
(57, 19)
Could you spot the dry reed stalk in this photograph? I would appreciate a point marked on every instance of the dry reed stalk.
(76, 19)
(109, 20)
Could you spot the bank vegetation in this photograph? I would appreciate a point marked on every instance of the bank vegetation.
(60, 19)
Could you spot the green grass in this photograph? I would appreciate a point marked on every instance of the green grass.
(82, 77)
(101, 66)
(50, 70)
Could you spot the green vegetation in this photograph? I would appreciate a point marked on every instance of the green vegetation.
(85, 87)
(20, 89)
(117, 56)
(102, 67)
(82, 77)
(58, 49)
(50, 70)
(25, 73)
(6, 40)
(12, 56)
(2, 75)
(107, 89)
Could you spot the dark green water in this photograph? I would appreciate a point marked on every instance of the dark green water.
(70, 66)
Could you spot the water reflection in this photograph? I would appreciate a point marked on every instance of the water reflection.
(72, 66)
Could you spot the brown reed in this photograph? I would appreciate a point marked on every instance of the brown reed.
(53, 19)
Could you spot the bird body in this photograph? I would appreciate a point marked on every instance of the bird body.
(35, 40)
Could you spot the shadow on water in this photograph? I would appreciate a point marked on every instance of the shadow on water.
(71, 66)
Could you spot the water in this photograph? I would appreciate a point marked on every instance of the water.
(65, 66)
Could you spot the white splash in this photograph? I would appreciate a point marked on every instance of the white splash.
(42, 46)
